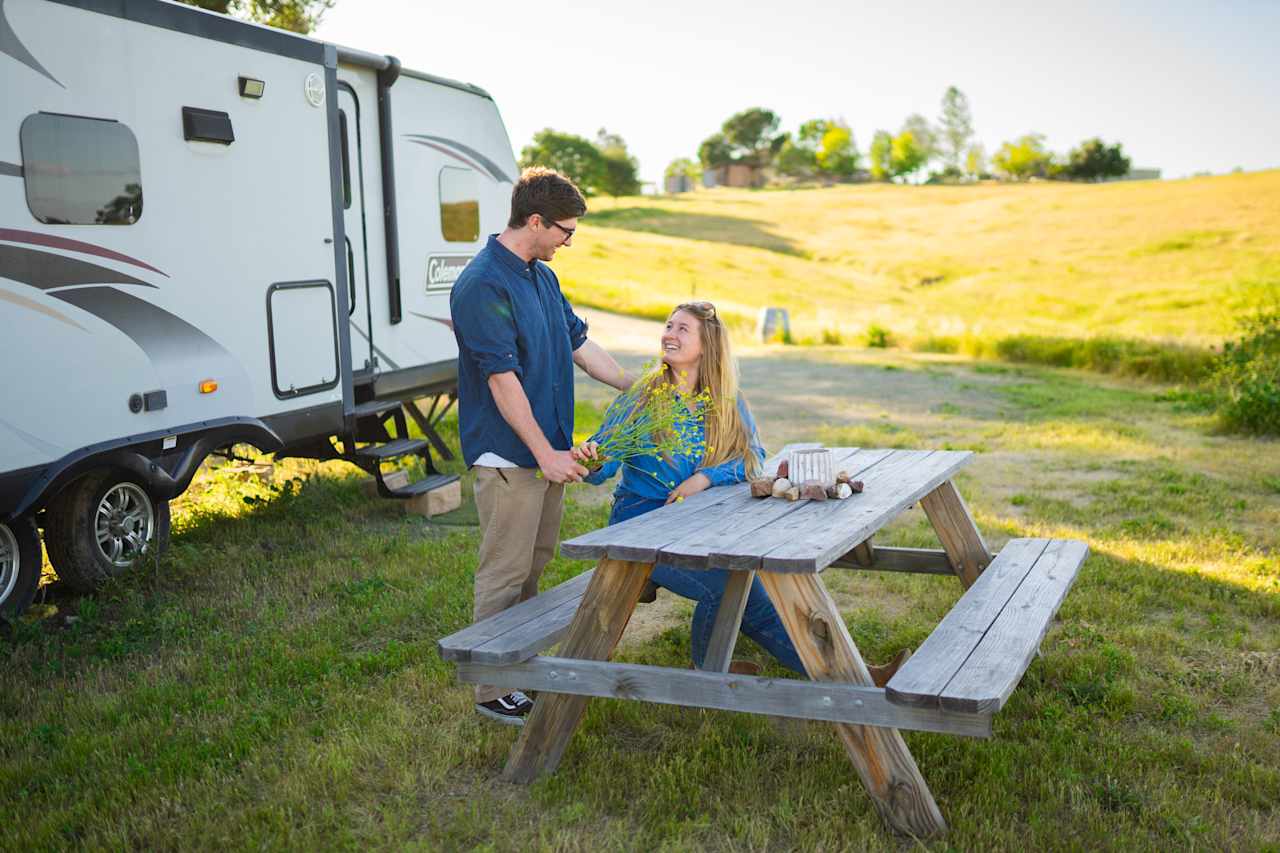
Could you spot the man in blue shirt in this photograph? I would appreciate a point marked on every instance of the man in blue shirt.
(518, 339)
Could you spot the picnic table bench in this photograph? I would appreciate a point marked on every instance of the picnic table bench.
(961, 675)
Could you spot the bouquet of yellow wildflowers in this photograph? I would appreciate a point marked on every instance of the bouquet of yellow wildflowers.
(652, 418)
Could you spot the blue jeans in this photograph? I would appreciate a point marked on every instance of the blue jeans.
(760, 620)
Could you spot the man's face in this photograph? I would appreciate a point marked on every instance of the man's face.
(550, 234)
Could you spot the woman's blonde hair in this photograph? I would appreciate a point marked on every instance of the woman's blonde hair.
(726, 432)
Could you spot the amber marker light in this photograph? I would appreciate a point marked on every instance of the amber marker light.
(208, 386)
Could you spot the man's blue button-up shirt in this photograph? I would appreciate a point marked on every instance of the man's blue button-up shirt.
(509, 315)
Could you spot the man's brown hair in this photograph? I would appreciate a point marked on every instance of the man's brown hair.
(546, 192)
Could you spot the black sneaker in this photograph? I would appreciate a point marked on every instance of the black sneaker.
(510, 709)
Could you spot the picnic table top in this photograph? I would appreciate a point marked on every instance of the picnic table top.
(724, 527)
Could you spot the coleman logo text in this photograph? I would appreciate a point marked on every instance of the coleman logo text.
(443, 270)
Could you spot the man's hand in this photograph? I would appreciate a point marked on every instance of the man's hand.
(585, 451)
(559, 466)
(691, 486)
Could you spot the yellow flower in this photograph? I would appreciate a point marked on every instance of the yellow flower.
(680, 499)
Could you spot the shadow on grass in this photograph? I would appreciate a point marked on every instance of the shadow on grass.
(697, 226)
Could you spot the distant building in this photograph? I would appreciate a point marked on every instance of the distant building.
(677, 184)
(1140, 175)
(734, 175)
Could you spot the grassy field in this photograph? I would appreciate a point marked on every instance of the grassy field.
(273, 682)
(1175, 261)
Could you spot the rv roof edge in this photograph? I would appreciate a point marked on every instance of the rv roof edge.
(353, 56)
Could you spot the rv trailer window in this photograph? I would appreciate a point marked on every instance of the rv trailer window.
(459, 205)
(80, 171)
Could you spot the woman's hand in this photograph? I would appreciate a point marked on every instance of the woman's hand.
(691, 486)
(585, 451)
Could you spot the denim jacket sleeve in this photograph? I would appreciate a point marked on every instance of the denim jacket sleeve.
(734, 470)
(604, 472)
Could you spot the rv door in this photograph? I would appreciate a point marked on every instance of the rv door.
(349, 131)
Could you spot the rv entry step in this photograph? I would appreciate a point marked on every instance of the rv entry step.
(399, 447)
(376, 407)
(429, 484)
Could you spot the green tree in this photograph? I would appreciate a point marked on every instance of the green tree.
(924, 137)
(691, 169)
(621, 172)
(837, 155)
(751, 136)
(975, 161)
(881, 156)
(570, 155)
(299, 16)
(956, 124)
(1024, 158)
(796, 158)
(715, 152)
(1094, 160)
(907, 155)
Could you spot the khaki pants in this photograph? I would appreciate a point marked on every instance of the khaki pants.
(519, 527)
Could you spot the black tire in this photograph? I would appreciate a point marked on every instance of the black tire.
(20, 561)
(71, 531)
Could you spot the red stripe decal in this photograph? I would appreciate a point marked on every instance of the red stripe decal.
(13, 235)
(455, 155)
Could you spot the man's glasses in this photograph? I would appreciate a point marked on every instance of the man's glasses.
(568, 232)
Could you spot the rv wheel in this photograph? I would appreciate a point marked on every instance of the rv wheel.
(101, 526)
(19, 566)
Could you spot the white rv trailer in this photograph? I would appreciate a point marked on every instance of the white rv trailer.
(213, 232)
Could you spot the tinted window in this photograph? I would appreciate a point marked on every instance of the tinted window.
(459, 205)
(81, 171)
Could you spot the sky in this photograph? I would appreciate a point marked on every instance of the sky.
(1186, 87)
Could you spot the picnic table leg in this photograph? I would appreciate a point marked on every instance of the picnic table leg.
(880, 754)
(597, 626)
(724, 633)
(960, 537)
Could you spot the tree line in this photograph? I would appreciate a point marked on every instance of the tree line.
(603, 166)
(945, 149)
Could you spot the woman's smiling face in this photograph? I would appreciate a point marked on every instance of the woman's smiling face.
(682, 341)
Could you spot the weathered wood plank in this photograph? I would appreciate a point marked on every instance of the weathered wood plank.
(603, 615)
(927, 561)
(836, 526)
(954, 525)
(693, 548)
(639, 538)
(724, 632)
(810, 519)
(864, 554)
(458, 646)
(783, 697)
(987, 678)
(923, 678)
(880, 755)
(530, 638)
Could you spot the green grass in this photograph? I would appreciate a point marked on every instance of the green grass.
(1157, 272)
(273, 682)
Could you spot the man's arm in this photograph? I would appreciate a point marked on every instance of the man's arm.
(558, 466)
(600, 366)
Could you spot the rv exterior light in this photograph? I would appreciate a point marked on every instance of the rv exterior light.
(251, 88)
(208, 386)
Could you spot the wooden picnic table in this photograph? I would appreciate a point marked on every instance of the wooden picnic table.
(959, 677)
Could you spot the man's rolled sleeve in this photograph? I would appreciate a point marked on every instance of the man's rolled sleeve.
(486, 325)
(577, 325)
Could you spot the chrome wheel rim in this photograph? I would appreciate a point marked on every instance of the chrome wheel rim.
(10, 562)
(124, 524)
